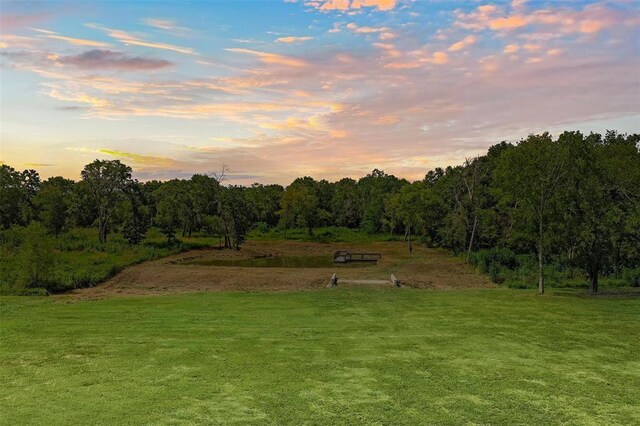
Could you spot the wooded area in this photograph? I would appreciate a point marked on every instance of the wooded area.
(568, 208)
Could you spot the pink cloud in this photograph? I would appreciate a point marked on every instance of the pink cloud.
(401, 103)
(463, 44)
(592, 18)
(347, 5)
(291, 39)
(12, 21)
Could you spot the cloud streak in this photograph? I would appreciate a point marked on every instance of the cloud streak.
(107, 59)
(127, 38)
(71, 40)
(291, 39)
(167, 26)
(271, 58)
(352, 5)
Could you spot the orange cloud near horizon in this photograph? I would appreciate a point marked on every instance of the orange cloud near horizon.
(271, 58)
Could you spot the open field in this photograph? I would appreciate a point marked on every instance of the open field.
(193, 272)
(341, 356)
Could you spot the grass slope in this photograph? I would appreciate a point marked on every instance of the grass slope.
(349, 356)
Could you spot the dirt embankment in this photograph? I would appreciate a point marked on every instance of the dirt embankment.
(423, 268)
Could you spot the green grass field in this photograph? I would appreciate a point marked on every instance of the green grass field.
(343, 356)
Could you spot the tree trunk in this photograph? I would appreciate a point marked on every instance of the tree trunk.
(102, 230)
(473, 233)
(286, 221)
(540, 258)
(593, 284)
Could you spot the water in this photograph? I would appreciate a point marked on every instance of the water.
(278, 262)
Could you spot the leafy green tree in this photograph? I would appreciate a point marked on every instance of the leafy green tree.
(600, 199)
(346, 208)
(168, 208)
(266, 201)
(405, 208)
(287, 205)
(11, 196)
(531, 173)
(137, 219)
(204, 192)
(238, 214)
(435, 207)
(214, 226)
(53, 202)
(299, 207)
(374, 189)
(106, 181)
(17, 190)
(82, 210)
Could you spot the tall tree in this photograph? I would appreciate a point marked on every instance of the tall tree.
(137, 219)
(169, 203)
(374, 189)
(474, 171)
(17, 190)
(531, 173)
(266, 201)
(406, 207)
(53, 202)
(238, 214)
(600, 198)
(345, 206)
(106, 180)
(299, 206)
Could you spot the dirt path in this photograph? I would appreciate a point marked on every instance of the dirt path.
(424, 268)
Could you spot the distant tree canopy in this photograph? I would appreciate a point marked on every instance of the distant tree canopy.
(572, 201)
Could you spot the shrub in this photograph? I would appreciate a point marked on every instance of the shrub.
(262, 227)
(36, 257)
(11, 238)
(631, 276)
(497, 262)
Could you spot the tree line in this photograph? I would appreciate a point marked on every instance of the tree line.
(572, 201)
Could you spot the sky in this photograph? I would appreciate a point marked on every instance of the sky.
(323, 88)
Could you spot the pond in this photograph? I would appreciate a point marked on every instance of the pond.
(278, 262)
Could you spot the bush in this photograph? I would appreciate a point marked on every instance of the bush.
(32, 262)
(262, 227)
(12, 238)
(631, 276)
(497, 262)
(36, 257)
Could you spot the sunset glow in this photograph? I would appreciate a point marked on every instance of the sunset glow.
(326, 88)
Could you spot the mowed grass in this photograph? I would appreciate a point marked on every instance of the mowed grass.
(340, 356)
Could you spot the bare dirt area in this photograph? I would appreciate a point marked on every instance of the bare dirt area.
(194, 272)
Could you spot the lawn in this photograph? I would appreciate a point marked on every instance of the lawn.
(341, 356)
